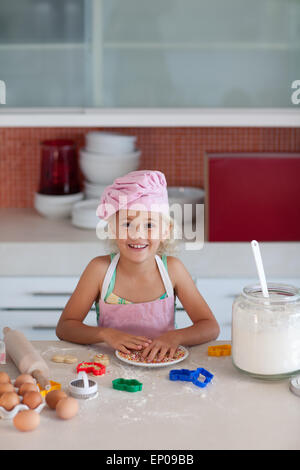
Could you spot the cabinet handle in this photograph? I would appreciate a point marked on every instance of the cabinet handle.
(34, 309)
(31, 309)
(45, 294)
(43, 327)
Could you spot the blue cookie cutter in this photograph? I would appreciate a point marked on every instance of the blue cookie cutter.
(187, 375)
(208, 377)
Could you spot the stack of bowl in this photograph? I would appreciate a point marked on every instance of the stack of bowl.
(56, 207)
(185, 198)
(84, 214)
(106, 157)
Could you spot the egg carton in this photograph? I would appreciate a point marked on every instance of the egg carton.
(5, 414)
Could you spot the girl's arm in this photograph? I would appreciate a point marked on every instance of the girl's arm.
(70, 326)
(205, 327)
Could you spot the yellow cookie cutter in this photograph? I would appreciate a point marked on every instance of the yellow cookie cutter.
(220, 350)
(54, 386)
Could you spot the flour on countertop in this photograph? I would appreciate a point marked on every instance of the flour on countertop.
(157, 399)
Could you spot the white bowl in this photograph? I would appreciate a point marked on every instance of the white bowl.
(98, 156)
(84, 214)
(56, 207)
(185, 195)
(110, 143)
(93, 191)
(92, 194)
(94, 186)
(105, 171)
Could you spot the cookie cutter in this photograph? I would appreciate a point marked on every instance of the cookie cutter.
(208, 377)
(127, 385)
(186, 375)
(83, 387)
(53, 386)
(220, 350)
(94, 367)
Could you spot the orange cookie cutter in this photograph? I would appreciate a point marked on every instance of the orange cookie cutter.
(54, 386)
(220, 350)
(94, 367)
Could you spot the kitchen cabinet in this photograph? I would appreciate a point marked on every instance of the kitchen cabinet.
(259, 190)
(120, 54)
(34, 304)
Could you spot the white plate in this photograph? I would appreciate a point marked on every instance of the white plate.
(158, 364)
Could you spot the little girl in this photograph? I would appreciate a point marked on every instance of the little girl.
(134, 289)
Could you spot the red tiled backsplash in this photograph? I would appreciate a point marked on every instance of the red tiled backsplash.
(178, 152)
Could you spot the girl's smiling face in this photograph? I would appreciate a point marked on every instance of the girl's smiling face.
(139, 233)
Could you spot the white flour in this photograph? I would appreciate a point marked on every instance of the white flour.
(157, 400)
(271, 347)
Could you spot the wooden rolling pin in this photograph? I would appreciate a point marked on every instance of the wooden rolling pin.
(26, 357)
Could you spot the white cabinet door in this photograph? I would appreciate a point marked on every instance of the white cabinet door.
(34, 304)
(37, 324)
(151, 54)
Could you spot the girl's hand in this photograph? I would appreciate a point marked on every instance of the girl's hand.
(124, 342)
(165, 344)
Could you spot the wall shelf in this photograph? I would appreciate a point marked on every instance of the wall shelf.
(149, 117)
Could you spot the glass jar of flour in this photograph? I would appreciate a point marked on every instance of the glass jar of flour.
(266, 331)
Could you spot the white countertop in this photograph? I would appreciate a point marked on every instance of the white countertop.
(233, 412)
(34, 245)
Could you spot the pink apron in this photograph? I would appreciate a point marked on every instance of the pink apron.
(150, 319)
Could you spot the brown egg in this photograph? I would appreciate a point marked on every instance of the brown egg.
(27, 387)
(53, 397)
(66, 408)
(24, 378)
(26, 420)
(6, 388)
(32, 399)
(4, 378)
(9, 400)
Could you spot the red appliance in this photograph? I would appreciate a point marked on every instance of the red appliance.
(252, 196)
(59, 174)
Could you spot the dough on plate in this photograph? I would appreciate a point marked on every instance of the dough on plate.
(136, 356)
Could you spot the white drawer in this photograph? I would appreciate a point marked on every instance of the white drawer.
(38, 324)
(35, 292)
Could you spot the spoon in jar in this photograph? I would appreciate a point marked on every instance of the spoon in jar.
(260, 268)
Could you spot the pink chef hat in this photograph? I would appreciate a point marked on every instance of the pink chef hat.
(139, 190)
